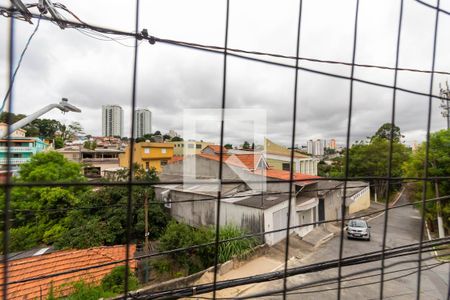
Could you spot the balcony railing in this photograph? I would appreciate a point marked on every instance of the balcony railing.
(13, 161)
(16, 149)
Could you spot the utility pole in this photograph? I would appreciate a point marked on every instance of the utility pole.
(146, 244)
(438, 209)
(445, 103)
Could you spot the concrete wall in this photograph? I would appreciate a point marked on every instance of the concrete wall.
(333, 204)
(361, 201)
(202, 211)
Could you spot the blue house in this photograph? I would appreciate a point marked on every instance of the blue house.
(21, 150)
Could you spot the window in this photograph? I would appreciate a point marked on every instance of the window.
(147, 150)
(163, 162)
(198, 146)
(147, 165)
(163, 150)
(286, 166)
(191, 146)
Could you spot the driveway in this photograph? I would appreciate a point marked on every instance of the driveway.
(403, 228)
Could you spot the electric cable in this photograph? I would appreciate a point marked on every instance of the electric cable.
(2, 107)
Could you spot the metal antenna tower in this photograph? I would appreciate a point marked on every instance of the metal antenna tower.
(445, 102)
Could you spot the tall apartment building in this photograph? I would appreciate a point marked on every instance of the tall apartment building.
(112, 120)
(332, 144)
(310, 146)
(316, 147)
(142, 122)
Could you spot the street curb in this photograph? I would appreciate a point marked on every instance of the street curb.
(273, 270)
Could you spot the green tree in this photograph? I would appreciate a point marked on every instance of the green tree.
(177, 139)
(69, 132)
(384, 132)
(228, 146)
(246, 145)
(115, 281)
(90, 145)
(59, 142)
(104, 219)
(371, 159)
(438, 166)
(39, 212)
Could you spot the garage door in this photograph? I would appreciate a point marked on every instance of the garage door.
(279, 222)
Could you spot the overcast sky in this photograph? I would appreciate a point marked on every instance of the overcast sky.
(91, 73)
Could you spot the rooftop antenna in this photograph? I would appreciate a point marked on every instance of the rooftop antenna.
(445, 103)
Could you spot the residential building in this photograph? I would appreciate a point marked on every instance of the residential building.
(4, 130)
(21, 149)
(94, 264)
(332, 144)
(316, 148)
(112, 120)
(310, 147)
(142, 122)
(243, 204)
(148, 155)
(188, 147)
(279, 158)
(95, 161)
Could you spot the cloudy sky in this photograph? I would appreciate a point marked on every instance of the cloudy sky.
(91, 73)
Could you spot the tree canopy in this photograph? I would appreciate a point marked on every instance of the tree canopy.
(371, 158)
(384, 132)
(77, 216)
(438, 166)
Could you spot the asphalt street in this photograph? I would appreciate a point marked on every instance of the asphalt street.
(400, 280)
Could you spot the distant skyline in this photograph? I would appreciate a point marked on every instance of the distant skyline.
(91, 73)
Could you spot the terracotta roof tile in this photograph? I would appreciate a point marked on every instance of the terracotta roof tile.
(216, 149)
(58, 262)
(285, 175)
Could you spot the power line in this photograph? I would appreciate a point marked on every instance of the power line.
(19, 64)
(311, 268)
(85, 25)
(326, 282)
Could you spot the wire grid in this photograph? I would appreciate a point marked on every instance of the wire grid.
(382, 255)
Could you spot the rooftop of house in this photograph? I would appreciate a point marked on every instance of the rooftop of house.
(258, 200)
(216, 149)
(353, 187)
(154, 145)
(46, 263)
(286, 175)
(204, 188)
(249, 161)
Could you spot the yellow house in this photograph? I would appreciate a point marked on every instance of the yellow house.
(178, 147)
(148, 155)
(279, 158)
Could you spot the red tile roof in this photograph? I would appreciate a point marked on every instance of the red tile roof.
(285, 175)
(174, 159)
(248, 161)
(216, 149)
(61, 261)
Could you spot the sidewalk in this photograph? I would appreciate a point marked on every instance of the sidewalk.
(272, 260)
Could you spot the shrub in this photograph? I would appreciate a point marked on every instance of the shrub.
(115, 281)
(228, 250)
(178, 235)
